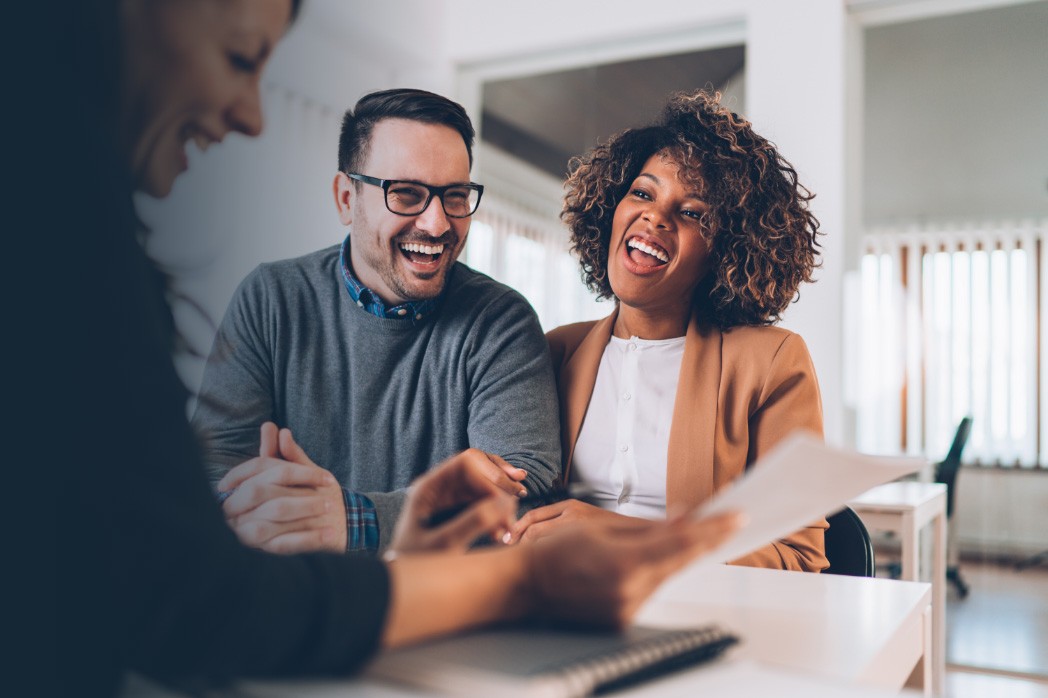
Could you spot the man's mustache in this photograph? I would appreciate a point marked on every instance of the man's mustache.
(449, 238)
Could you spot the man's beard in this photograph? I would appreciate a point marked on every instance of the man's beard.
(386, 262)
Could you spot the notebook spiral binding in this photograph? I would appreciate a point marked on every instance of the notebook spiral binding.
(610, 671)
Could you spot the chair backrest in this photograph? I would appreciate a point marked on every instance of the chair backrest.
(946, 470)
(848, 545)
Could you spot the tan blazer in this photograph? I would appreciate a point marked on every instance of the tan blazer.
(739, 393)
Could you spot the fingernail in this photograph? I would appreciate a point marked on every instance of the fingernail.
(522, 492)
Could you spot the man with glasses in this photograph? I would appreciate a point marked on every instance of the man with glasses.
(382, 355)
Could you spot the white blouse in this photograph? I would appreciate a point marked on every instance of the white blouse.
(624, 442)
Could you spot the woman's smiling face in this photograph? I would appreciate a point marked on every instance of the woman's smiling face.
(193, 75)
(658, 253)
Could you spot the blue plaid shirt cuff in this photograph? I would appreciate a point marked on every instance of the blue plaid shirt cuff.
(361, 523)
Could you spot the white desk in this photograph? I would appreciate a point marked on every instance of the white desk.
(869, 633)
(906, 508)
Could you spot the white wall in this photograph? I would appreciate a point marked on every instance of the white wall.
(957, 117)
(796, 57)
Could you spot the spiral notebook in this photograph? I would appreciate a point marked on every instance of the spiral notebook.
(548, 662)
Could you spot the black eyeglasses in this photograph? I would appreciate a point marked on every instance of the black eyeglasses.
(406, 198)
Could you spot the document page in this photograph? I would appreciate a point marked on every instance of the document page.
(799, 481)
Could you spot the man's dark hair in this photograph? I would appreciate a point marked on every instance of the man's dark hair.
(415, 105)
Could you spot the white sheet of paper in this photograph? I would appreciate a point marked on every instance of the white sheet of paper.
(799, 481)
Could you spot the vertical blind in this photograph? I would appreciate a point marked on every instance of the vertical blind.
(528, 250)
(952, 323)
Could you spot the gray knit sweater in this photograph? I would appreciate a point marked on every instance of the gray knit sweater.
(379, 401)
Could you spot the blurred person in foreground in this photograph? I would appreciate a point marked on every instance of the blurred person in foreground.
(147, 577)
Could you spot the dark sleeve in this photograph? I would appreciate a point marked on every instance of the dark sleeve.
(201, 603)
(187, 600)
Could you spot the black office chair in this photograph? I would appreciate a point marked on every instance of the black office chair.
(848, 546)
(946, 473)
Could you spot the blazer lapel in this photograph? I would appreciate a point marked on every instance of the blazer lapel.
(691, 458)
(577, 379)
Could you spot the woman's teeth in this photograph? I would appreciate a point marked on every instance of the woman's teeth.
(648, 249)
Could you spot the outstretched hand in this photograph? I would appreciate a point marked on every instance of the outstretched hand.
(600, 572)
(595, 573)
(472, 480)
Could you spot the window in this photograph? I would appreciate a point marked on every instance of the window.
(952, 322)
(530, 254)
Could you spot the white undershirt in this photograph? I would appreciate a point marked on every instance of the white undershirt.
(624, 442)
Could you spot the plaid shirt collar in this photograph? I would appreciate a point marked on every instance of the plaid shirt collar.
(415, 311)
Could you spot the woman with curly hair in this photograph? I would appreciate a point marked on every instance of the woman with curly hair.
(700, 231)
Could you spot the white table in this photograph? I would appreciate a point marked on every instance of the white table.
(867, 631)
(837, 631)
(906, 508)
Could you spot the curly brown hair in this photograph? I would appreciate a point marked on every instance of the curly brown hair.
(762, 237)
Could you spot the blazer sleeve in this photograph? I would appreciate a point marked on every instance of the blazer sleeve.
(788, 401)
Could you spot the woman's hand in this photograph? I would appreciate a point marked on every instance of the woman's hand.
(471, 480)
(599, 573)
(543, 521)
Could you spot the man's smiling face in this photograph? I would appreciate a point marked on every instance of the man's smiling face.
(406, 258)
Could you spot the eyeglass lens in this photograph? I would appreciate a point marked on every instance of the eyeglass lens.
(409, 198)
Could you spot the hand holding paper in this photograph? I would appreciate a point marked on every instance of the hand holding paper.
(799, 481)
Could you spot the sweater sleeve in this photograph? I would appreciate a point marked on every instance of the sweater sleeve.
(513, 407)
(237, 396)
(236, 392)
(789, 400)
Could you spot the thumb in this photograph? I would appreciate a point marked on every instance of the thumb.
(268, 447)
(512, 471)
(291, 451)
